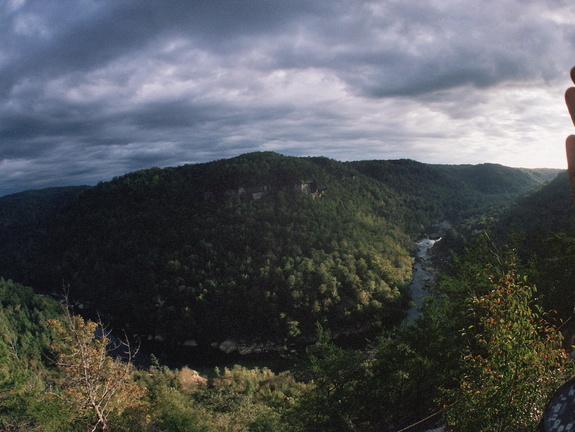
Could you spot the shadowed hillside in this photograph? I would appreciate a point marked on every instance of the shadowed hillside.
(261, 246)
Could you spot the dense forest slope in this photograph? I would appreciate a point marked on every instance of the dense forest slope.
(541, 227)
(258, 246)
(452, 191)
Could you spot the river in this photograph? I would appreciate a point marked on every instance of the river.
(423, 272)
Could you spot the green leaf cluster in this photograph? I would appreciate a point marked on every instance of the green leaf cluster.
(24, 377)
(513, 364)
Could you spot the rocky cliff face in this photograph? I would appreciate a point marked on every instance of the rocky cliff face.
(255, 193)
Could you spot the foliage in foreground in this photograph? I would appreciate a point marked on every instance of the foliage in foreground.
(515, 360)
(91, 383)
(57, 374)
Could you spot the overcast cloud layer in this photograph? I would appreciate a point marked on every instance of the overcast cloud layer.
(94, 89)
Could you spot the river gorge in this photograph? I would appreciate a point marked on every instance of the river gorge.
(423, 270)
(230, 352)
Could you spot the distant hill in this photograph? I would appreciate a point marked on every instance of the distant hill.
(261, 246)
(541, 228)
(453, 191)
(29, 207)
(547, 209)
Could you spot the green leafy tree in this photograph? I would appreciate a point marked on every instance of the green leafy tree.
(514, 361)
(386, 388)
(332, 401)
(23, 339)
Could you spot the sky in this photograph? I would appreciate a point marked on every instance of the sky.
(92, 89)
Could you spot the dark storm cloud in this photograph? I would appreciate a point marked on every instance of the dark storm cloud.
(403, 48)
(92, 89)
(47, 38)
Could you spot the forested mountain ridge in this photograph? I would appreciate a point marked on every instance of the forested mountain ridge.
(29, 206)
(541, 226)
(258, 246)
(453, 191)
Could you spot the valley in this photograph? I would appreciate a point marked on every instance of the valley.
(308, 271)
